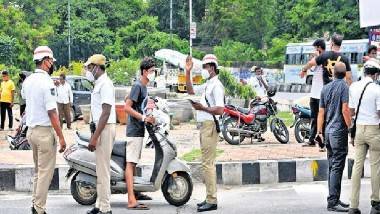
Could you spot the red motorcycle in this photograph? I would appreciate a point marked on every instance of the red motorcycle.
(239, 123)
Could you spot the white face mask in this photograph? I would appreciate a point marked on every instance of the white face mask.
(89, 76)
(205, 74)
(151, 77)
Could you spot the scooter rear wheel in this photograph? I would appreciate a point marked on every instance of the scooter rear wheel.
(177, 189)
(82, 192)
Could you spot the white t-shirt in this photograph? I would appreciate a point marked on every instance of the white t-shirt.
(317, 83)
(64, 94)
(259, 89)
(370, 102)
(39, 93)
(214, 91)
(103, 93)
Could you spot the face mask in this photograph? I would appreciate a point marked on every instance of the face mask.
(205, 74)
(151, 77)
(89, 76)
(51, 69)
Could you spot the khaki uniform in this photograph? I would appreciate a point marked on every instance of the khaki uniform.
(40, 95)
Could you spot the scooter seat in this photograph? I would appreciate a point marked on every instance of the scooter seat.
(118, 146)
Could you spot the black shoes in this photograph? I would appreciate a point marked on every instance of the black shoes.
(354, 211)
(343, 204)
(34, 211)
(201, 204)
(375, 207)
(207, 207)
(337, 208)
(94, 211)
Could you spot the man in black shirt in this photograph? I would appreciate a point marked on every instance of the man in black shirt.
(136, 127)
(328, 60)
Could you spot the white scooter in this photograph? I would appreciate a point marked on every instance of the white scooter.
(169, 173)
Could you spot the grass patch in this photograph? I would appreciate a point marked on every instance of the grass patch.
(287, 117)
(195, 155)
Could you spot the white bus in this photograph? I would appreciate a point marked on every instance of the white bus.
(298, 54)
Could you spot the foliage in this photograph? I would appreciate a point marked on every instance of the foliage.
(275, 53)
(76, 68)
(123, 71)
(236, 51)
(195, 155)
(234, 88)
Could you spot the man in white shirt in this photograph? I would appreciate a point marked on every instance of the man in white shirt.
(210, 106)
(258, 82)
(367, 134)
(64, 100)
(316, 89)
(39, 92)
(102, 139)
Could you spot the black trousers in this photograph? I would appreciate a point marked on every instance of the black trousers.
(22, 109)
(337, 149)
(314, 108)
(6, 107)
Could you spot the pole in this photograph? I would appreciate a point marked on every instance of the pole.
(190, 21)
(69, 22)
(171, 24)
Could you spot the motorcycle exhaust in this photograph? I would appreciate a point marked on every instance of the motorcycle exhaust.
(242, 132)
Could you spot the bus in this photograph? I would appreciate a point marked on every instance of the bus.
(298, 54)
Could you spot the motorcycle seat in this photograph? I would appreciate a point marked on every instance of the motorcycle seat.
(118, 146)
(243, 110)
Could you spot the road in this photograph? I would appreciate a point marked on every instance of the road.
(290, 198)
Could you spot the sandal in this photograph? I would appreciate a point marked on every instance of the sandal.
(138, 207)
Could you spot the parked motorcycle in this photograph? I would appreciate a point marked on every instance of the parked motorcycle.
(239, 123)
(19, 141)
(169, 173)
(302, 123)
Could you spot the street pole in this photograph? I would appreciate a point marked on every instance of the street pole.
(171, 24)
(69, 22)
(190, 21)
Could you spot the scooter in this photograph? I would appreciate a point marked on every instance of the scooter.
(302, 123)
(19, 141)
(169, 173)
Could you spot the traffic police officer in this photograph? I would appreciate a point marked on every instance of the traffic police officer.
(104, 119)
(39, 92)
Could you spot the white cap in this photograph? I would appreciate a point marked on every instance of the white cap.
(210, 58)
(372, 63)
(41, 52)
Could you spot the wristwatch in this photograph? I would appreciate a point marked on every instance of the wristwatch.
(143, 118)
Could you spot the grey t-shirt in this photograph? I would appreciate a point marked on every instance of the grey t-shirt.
(139, 92)
(333, 95)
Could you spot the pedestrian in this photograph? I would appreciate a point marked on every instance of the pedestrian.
(136, 127)
(328, 59)
(365, 105)
(21, 100)
(258, 82)
(64, 100)
(316, 88)
(42, 120)
(333, 121)
(210, 106)
(6, 100)
(103, 129)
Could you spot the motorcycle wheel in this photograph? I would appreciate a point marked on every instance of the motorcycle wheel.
(177, 190)
(232, 139)
(82, 192)
(280, 131)
(302, 131)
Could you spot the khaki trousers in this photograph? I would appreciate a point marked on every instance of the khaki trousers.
(44, 146)
(103, 157)
(64, 111)
(209, 140)
(367, 138)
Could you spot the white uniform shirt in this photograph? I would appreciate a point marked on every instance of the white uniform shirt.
(259, 89)
(40, 94)
(214, 91)
(370, 102)
(317, 83)
(103, 92)
(64, 93)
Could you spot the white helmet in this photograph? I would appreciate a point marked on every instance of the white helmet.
(41, 52)
(210, 58)
(372, 63)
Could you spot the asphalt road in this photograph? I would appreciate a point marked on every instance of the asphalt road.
(292, 198)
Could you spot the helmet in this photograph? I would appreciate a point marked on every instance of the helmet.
(271, 92)
(372, 66)
(210, 58)
(41, 52)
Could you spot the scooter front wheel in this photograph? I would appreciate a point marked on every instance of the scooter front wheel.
(177, 189)
(84, 193)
